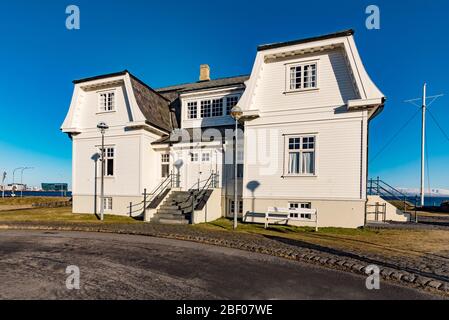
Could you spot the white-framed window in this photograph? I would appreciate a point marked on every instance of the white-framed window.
(107, 204)
(231, 206)
(205, 157)
(192, 110)
(300, 205)
(165, 165)
(206, 108)
(301, 155)
(106, 101)
(231, 102)
(217, 107)
(302, 76)
(109, 155)
(194, 157)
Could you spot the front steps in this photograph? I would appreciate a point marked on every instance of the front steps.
(176, 209)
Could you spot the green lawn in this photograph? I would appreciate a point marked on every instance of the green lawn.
(58, 215)
(30, 200)
(386, 242)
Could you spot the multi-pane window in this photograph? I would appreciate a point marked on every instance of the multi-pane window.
(300, 205)
(109, 154)
(301, 155)
(205, 157)
(192, 110)
(217, 107)
(194, 157)
(303, 76)
(107, 204)
(240, 208)
(231, 102)
(206, 108)
(165, 165)
(106, 101)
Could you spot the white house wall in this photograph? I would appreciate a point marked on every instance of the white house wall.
(335, 85)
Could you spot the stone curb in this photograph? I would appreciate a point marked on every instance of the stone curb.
(327, 260)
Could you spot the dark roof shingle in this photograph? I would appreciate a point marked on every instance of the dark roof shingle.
(203, 85)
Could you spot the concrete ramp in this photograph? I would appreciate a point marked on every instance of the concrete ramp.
(380, 210)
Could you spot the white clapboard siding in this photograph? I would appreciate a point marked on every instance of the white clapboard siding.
(334, 82)
(338, 161)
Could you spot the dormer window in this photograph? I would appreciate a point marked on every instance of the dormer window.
(302, 76)
(106, 101)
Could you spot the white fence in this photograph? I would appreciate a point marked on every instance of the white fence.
(291, 214)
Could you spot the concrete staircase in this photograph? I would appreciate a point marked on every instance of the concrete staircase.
(176, 209)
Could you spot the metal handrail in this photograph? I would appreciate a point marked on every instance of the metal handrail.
(210, 182)
(379, 185)
(149, 197)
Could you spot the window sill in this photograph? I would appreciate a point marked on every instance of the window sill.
(106, 112)
(301, 90)
(299, 176)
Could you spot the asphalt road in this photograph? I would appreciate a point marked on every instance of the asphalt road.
(33, 266)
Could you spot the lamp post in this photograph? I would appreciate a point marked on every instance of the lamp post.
(13, 194)
(236, 113)
(3, 183)
(21, 179)
(103, 127)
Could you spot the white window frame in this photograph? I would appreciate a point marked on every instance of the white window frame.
(229, 106)
(301, 150)
(194, 157)
(109, 154)
(165, 161)
(205, 157)
(300, 205)
(192, 110)
(302, 64)
(231, 206)
(103, 106)
(107, 204)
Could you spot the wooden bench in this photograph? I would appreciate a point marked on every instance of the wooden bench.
(291, 214)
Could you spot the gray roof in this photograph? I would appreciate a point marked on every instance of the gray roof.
(344, 33)
(202, 134)
(162, 107)
(154, 107)
(203, 85)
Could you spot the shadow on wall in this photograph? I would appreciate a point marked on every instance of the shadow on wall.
(252, 186)
(343, 80)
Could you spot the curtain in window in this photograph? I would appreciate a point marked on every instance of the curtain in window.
(293, 165)
(308, 163)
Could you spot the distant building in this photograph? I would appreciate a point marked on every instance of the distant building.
(54, 186)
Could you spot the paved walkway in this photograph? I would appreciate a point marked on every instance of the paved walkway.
(116, 266)
(428, 271)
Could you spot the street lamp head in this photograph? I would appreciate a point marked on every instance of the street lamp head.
(102, 126)
(236, 112)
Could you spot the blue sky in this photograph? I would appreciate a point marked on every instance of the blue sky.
(164, 43)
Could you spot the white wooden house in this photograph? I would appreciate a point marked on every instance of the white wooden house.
(306, 111)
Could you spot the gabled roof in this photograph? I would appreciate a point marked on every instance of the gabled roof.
(339, 34)
(154, 106)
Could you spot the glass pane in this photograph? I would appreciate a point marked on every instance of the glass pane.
(308, 163)
(293, 166)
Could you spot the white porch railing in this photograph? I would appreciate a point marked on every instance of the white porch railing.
(291, 214)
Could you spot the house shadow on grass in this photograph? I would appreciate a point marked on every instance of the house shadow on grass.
(298, 244)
